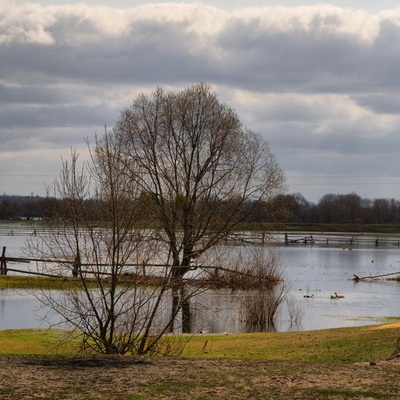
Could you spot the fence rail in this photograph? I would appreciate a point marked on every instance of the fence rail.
(353, 240)
(215, 275)
(12, 231)
(281, 238)
(259, 237)
(4, 268)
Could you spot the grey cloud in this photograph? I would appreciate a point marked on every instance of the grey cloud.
(308, 61)
(388, 103)
(21, 95)
(163, 55)
(243, 52)
(55, 116)
(28, 139)
(339, 138)
(69, 73)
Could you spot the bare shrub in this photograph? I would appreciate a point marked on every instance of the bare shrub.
(295, 312)
(259, 304)
(244, 270)
(259, 307)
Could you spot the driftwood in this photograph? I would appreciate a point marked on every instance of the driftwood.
(362, 278)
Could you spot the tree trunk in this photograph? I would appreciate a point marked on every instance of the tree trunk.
(179, 301)
(175, 307)
(186, 313)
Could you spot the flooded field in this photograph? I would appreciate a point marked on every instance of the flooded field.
(313, 274)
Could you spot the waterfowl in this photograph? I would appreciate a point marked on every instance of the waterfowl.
(337, 296)
(308, 296)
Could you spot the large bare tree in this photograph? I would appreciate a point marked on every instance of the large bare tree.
(177, 174)
(197, 167)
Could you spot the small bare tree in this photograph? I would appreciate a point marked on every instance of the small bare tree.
(119, 302)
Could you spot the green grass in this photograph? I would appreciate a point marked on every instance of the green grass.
(331, 346)
(279, 366)
(35, 342)
(35, 282)
(344, 345)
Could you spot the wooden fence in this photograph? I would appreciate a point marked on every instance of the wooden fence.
(342, 240)
(21, 231)
(263, 238)
(4, 267)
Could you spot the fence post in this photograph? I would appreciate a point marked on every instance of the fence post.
(76, 266)
(3, 264)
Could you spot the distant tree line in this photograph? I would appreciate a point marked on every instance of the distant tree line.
(22, 207)
(333, 209)
(289, 208)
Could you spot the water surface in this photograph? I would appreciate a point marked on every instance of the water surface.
(308, 270)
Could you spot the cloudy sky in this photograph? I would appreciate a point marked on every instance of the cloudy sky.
(321, 82)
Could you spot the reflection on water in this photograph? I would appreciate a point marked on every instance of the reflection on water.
(315, 272)
(17, 310)
(323, 271)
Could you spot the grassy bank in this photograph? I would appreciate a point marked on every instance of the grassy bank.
(34, 342)
(344, 345)
(35, 282)
(328, 364)
(331, 346)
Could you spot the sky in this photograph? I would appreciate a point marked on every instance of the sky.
(320, 81)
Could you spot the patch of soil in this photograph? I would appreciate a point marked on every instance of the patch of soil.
(123, 378)
(82, 362)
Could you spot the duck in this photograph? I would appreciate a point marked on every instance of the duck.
(337, 296)
(308, 296)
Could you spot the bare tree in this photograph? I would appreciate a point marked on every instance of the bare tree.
(197, 166)
(118, 305)
(175, 176)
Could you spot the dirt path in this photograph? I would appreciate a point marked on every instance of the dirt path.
(126, 379)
